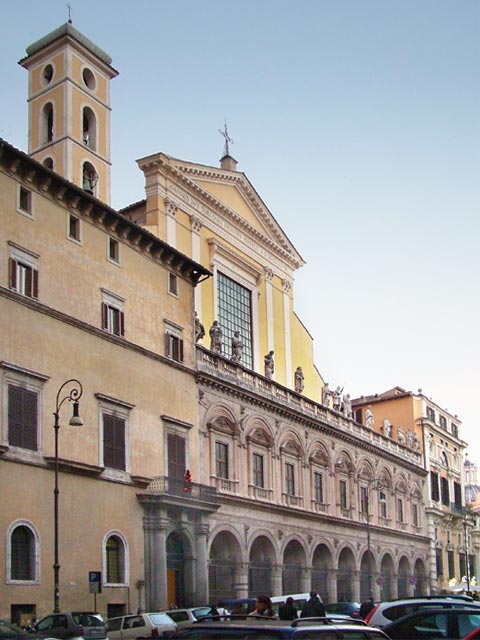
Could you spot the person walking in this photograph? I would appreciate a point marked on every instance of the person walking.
(366, 607)
(313, 608)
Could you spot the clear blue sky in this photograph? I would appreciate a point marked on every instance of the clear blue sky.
(357, 121)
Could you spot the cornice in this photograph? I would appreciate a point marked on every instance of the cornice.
(37, 306)
(50, 185)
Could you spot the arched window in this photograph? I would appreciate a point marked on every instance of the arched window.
(89, 128)
(115, 559)
(89, 178)
(23, 557)
(47, 123)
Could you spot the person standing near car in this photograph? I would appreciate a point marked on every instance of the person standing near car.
(288, 611)
(313, 608)
(366, 607)
(263, 608)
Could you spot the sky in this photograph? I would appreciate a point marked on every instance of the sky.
(358, 123)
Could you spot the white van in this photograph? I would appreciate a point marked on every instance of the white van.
(299, 599)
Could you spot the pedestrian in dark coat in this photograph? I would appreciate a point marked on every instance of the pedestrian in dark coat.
(288, 611)
(313, 608)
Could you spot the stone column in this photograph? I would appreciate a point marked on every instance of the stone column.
(277, 575)
(356, 586)
(306, 579)
(155, 523)
(241, 580)
(201, 573)
(394, 586)
(332, 585)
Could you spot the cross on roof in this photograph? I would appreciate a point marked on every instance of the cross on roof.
(224, 133)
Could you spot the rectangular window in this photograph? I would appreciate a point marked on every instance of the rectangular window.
(73, 228)
(443, 422)
(22, 417)
(318, 487)
(221, 460)
(114, 442)
(445, 491)
(177, 457)
(455, 430)
(289, 479)
(235, 314)
(364, 500)
(435, 491)
(113, 319)
(258, 475)
(457, 492)
(383, 504)
(113, 250)
(23, 278)
(451, 564)
(415, 515)
(173, 284)
(343, 495)
(431, 414)
(439, 562)
(25, 200)
(400, 510)
(174, 347)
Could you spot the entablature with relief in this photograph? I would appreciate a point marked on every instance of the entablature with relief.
(294, 416)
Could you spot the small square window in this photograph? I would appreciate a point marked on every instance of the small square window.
(25, 201)
(172, 284)
(73, 228)
(113, 250)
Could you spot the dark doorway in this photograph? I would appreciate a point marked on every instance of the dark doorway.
(176, 570)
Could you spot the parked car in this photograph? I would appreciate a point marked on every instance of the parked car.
(183, 617)
(141, 626)
(71, 624)
(431, 624)
(386, 612)
(474, 635)
(351, 609)
(9, 631)
(253, 628)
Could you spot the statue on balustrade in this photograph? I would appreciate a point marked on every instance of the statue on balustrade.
(237, 347)
(269, 365)
(199, 328)
(299, 380)
(216, 335)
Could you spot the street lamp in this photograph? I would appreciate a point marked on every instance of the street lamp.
(467, 567)
(74, 396)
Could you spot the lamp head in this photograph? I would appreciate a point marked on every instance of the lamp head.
(75, 420)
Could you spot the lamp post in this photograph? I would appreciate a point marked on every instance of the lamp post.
(74, 396)
(467, 567)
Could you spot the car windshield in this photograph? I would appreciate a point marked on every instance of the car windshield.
(7, 628)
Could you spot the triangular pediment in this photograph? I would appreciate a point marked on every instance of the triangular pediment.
(232, 194)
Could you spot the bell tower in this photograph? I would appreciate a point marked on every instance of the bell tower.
(69, 108)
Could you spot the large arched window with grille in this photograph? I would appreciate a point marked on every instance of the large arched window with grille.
(23, 555)
(115, 559)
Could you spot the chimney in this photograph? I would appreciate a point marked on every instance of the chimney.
(228, 163)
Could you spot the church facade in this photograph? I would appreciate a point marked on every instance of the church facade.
(211, 463)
